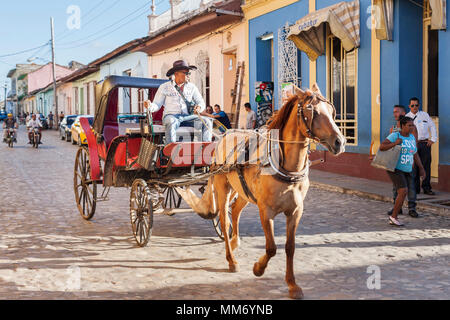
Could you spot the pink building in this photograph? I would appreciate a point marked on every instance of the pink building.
(43, 76)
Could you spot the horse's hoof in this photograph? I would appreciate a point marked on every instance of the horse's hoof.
(257, 270)
(296, 293)
(234, 268)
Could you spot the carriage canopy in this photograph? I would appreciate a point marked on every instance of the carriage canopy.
(107, 104)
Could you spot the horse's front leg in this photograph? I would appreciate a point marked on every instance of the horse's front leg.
(266, 216)
(292, 221)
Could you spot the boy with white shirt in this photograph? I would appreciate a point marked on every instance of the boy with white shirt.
(427, 135)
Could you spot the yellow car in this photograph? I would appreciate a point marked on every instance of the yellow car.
(78, 135)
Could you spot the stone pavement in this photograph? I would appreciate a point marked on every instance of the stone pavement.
(377, 190)
(343, 243)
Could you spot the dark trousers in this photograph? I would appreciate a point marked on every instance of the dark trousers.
(424, 153)
(412, 196)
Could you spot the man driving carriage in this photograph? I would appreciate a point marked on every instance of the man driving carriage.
(182, 103)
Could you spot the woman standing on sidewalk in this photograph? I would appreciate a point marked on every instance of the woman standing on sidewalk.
(403, 171)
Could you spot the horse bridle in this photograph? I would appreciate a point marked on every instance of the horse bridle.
(311, 107)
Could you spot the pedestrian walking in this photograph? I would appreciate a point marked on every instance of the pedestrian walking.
(61, 117)
(251, 117)
(400, 111)
(427, 136)
(402, 175)
(50, 120)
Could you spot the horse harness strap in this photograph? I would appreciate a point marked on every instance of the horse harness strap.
(280, 173)
(301, 115)
(244, 184)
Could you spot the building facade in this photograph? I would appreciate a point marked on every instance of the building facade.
(208, 35)
(128, 64)
(19, 85)
(397, 52)
(83, 93)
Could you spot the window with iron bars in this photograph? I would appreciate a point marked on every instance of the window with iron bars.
(342, 87)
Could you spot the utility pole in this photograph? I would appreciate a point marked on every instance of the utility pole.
(55, 96)
(6, 98)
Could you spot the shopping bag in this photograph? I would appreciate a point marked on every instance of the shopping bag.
(388, 159)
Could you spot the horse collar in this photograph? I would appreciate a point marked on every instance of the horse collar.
(280, 173)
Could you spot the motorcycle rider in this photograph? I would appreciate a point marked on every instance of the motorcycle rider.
(10, 123)
(32, 124)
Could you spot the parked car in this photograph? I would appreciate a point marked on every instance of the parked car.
(65, 128)
(77, 133)
(131, 118)
(3, 115)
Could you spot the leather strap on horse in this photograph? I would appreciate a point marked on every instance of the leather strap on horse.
(283, 175)
(245, 187)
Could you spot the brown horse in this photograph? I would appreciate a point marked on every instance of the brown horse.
(306, 116)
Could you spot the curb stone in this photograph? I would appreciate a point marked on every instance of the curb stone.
(431, 208)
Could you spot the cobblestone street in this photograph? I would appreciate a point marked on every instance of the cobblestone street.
(47, 251)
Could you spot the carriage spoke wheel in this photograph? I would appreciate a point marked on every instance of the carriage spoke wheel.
(84, 187)
(172, 198)
(218, 227)
(216, 220)
(141, 212)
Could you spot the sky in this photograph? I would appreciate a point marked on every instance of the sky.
(84, 29)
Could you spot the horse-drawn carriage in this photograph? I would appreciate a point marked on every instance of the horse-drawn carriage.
(138, 158)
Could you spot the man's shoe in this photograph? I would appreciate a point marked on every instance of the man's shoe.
(413, 213)
(429, 192)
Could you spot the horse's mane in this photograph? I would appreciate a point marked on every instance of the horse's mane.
(279, 119)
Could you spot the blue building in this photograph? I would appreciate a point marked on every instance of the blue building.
(366, 56)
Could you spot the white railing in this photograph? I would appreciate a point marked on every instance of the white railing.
(181, 10)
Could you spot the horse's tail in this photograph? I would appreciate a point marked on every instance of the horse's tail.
(206, 207)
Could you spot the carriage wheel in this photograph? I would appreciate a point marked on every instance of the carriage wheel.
(216, 220)
(141, 212)
(218, 227)
(172, 198)
(84, 187)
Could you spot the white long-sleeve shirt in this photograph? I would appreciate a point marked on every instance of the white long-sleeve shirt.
(425, 125)
(168, 96)
(34, 124)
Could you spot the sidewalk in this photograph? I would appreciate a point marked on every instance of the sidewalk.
(376, 190)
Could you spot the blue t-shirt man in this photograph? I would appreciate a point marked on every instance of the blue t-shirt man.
(409, 149)
(223, 119)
